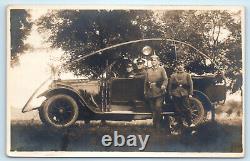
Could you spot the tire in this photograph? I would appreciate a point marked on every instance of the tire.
(59, 111)
(197, 111)
(197, 114)
(41, 115)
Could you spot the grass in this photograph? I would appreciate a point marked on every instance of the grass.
(210, 137)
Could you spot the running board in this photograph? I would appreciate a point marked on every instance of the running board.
(133, 113)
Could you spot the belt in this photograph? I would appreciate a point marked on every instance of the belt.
(152, 83)
(157, 83)
(180, 85)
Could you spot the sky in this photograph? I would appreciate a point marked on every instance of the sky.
(33, 67)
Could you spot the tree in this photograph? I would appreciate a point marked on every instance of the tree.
(217, 33)
(20, 27)
(79, 32)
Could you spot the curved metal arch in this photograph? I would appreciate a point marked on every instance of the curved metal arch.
(144, 40)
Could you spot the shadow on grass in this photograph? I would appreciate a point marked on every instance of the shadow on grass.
(210, 137)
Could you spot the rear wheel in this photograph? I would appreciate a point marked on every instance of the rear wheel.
(197, 111)
(59, 111)
(197, 116)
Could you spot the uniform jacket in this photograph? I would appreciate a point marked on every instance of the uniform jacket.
(129, 74)
(180, 84)
(140, 73)
(155, 78)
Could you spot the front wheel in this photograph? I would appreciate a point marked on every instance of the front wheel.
(59, 111)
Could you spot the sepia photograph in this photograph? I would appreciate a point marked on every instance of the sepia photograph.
(131, 81)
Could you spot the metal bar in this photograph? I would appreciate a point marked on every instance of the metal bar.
(142, 40)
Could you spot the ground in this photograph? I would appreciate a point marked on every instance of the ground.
(223, 135)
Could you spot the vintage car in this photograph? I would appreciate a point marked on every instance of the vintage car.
(113, 97)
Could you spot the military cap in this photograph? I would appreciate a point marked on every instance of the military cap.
(180, 67)
(153, 57)
(140, 61)
(129, 65)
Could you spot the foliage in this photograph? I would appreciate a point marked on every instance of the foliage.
(20, 27)
(217, 33)
(82, 32)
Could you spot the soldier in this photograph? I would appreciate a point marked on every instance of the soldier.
(180, 89)
(140, 71)
(156, 83)
(129, 71)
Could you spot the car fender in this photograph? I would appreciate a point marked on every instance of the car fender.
(69, 91)
(206, 102)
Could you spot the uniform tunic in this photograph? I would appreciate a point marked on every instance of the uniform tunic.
(155, 78)
(180, 84)
(129, 74)
(140, 73)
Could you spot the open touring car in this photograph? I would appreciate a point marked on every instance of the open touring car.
(110, 96)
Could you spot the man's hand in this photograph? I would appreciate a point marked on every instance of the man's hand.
(163, 88)
(190, 96)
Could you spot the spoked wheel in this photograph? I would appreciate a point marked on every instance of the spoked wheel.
(59, 111)
(197, 116)
(197, 111)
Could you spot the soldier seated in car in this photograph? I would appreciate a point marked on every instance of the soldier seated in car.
(129, 73)
(140, 71)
